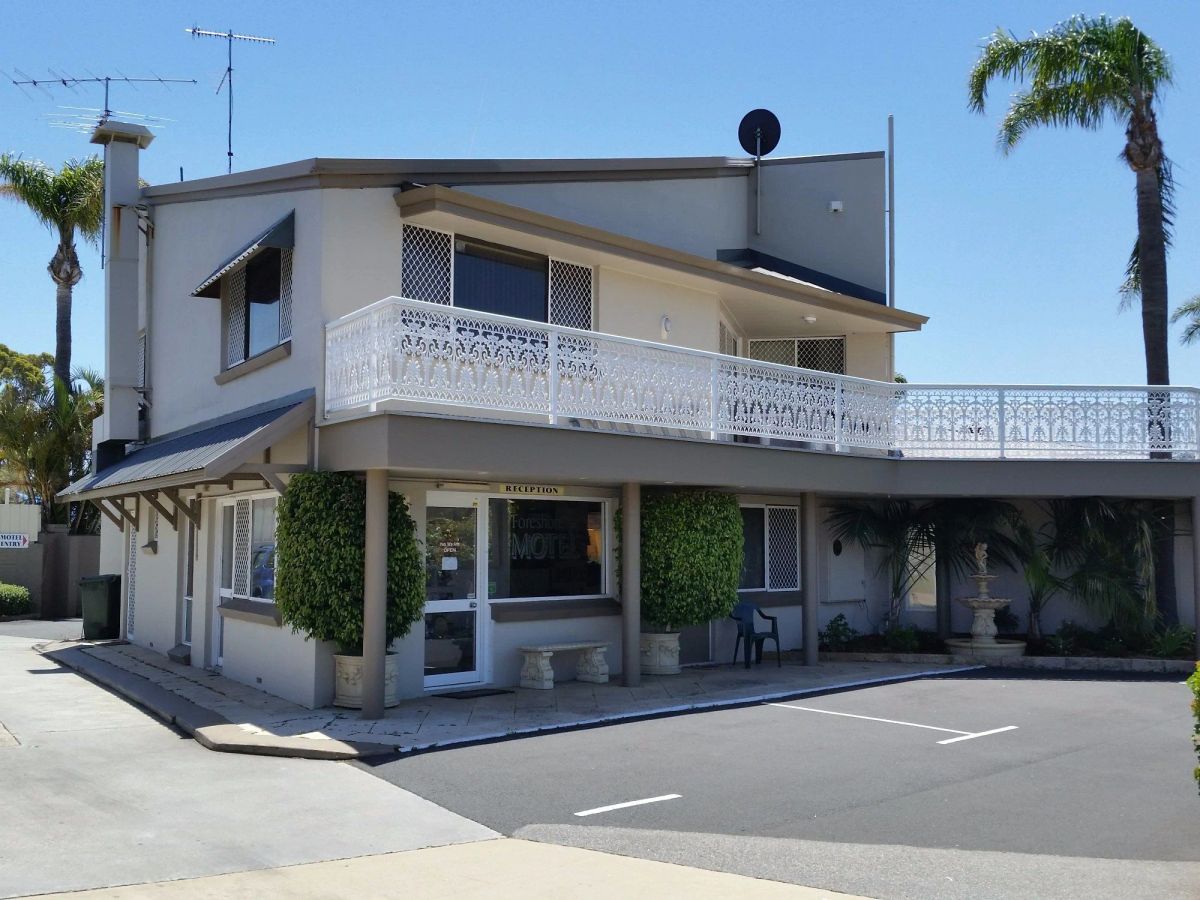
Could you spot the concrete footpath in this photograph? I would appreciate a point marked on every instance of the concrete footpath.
(480, 871)
(231, 717)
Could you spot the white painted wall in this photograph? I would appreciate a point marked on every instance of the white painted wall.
(156, 599)
(632, 306)
(21, 518)
(278, 661)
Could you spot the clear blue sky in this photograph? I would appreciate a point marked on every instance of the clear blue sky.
(1016, 260)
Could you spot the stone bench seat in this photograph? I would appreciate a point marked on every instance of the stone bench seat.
(538, 674)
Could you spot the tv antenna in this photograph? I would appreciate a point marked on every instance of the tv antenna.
(71, 82)
(229, 37)
(758, 134)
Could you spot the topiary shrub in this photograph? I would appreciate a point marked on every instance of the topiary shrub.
(691, 557)
(319, 560)
(14, 600)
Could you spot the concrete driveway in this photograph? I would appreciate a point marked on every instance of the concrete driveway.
(95, 792)
(916, 790)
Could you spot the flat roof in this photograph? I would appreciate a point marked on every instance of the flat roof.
(319, 171)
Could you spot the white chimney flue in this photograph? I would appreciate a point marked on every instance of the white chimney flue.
(122, 247)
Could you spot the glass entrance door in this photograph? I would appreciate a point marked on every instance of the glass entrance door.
(452, 594)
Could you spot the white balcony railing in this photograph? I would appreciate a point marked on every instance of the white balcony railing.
(408, 350)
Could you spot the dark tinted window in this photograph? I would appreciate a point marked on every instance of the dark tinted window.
(545, 548)
(262, 301)
(753, 570)
(500, 280)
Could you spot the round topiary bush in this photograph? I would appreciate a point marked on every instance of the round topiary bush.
(319, 560)
(691, 557)
(14, 600)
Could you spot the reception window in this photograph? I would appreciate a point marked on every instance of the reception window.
(545, 548)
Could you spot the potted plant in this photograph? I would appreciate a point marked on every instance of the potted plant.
(691, 561)
(319, 580)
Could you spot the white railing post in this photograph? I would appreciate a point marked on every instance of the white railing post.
(553, 381)
(1000, 406)
(838, 410)
(714, 395)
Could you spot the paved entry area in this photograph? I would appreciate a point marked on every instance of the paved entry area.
(437, 721)
(975, 785)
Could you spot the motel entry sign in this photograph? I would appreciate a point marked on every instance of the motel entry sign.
(12, 541)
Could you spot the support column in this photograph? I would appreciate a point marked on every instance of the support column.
(1196, 571)
(631, 585)
(810, 574)
(375, 593)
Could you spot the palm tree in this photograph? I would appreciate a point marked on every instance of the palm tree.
(67, 201)
(1085, 72)
(1189, 312)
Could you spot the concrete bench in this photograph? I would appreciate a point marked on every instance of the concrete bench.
(537, 673)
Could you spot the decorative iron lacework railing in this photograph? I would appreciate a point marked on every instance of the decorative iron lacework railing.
(417, 352)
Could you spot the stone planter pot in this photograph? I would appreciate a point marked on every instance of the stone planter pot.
(348, 678)
(660, 653)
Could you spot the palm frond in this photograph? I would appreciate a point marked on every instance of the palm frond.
(1188, 312)
(1131, 287)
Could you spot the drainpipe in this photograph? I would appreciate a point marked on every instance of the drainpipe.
(631, 584)
(809, 573)
(122, 246)
(375, 594)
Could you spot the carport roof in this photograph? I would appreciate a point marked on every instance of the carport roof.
(200, 454)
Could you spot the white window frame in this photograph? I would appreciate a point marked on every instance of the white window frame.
(766, 518)
(724, 321)
(232, 500)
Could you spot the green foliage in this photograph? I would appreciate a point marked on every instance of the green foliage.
(46, 442)
(1173, 643)
(23, 372)
(1194, 683)
(902, 639)
(319, 551)
(64, 201)
(691, 557)
(1189, 313)
(838, 634)
(14, 600)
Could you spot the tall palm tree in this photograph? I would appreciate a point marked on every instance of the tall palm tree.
(1085, 72)
(67, 202)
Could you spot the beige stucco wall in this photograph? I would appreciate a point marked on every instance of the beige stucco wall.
(869, 356)
(21, 518)
(278, 661)
(632, 306)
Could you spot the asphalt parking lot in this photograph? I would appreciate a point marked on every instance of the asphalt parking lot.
(991, 785)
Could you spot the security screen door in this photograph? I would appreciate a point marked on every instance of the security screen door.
(453, 594)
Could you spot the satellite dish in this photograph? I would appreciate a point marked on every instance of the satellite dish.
(759, 132)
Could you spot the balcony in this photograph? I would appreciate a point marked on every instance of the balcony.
(408, 354)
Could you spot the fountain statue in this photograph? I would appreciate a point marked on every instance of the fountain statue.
(983, 640)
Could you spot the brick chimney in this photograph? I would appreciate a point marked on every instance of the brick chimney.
(122, 248)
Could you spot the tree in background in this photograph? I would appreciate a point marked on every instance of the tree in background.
(46, 442)
(1083, 73)
(67, 202)
(25, 372)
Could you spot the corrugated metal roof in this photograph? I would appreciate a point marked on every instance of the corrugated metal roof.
(179, 455)
(281, 234)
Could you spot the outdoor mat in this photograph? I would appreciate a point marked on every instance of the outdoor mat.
(472, 694)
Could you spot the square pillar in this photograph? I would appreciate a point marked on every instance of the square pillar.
(375, 549)
(810, 574)
(1196, 570)
(631, 585)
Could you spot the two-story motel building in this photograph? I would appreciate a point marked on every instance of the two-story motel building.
(518, 347)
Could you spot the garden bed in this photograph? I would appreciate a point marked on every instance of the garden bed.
(1046, 663)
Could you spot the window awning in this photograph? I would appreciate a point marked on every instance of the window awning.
(282, 235)
(197, 456)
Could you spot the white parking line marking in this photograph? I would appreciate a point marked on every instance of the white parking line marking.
(603, 809)
(830, 712)
(969, 737)
(962, 735)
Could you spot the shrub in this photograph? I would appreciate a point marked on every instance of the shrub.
(14, 600)
(691, 557)
(1194, 683)
(838, 634)
(1173, 642)
(319, 585)
(902, 639)
(1007, 621)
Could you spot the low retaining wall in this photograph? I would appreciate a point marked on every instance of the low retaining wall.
(1045, 663)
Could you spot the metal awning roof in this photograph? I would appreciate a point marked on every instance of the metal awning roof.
(282, 234)
(200, 455)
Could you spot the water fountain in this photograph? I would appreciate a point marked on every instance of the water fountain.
(983, 640)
